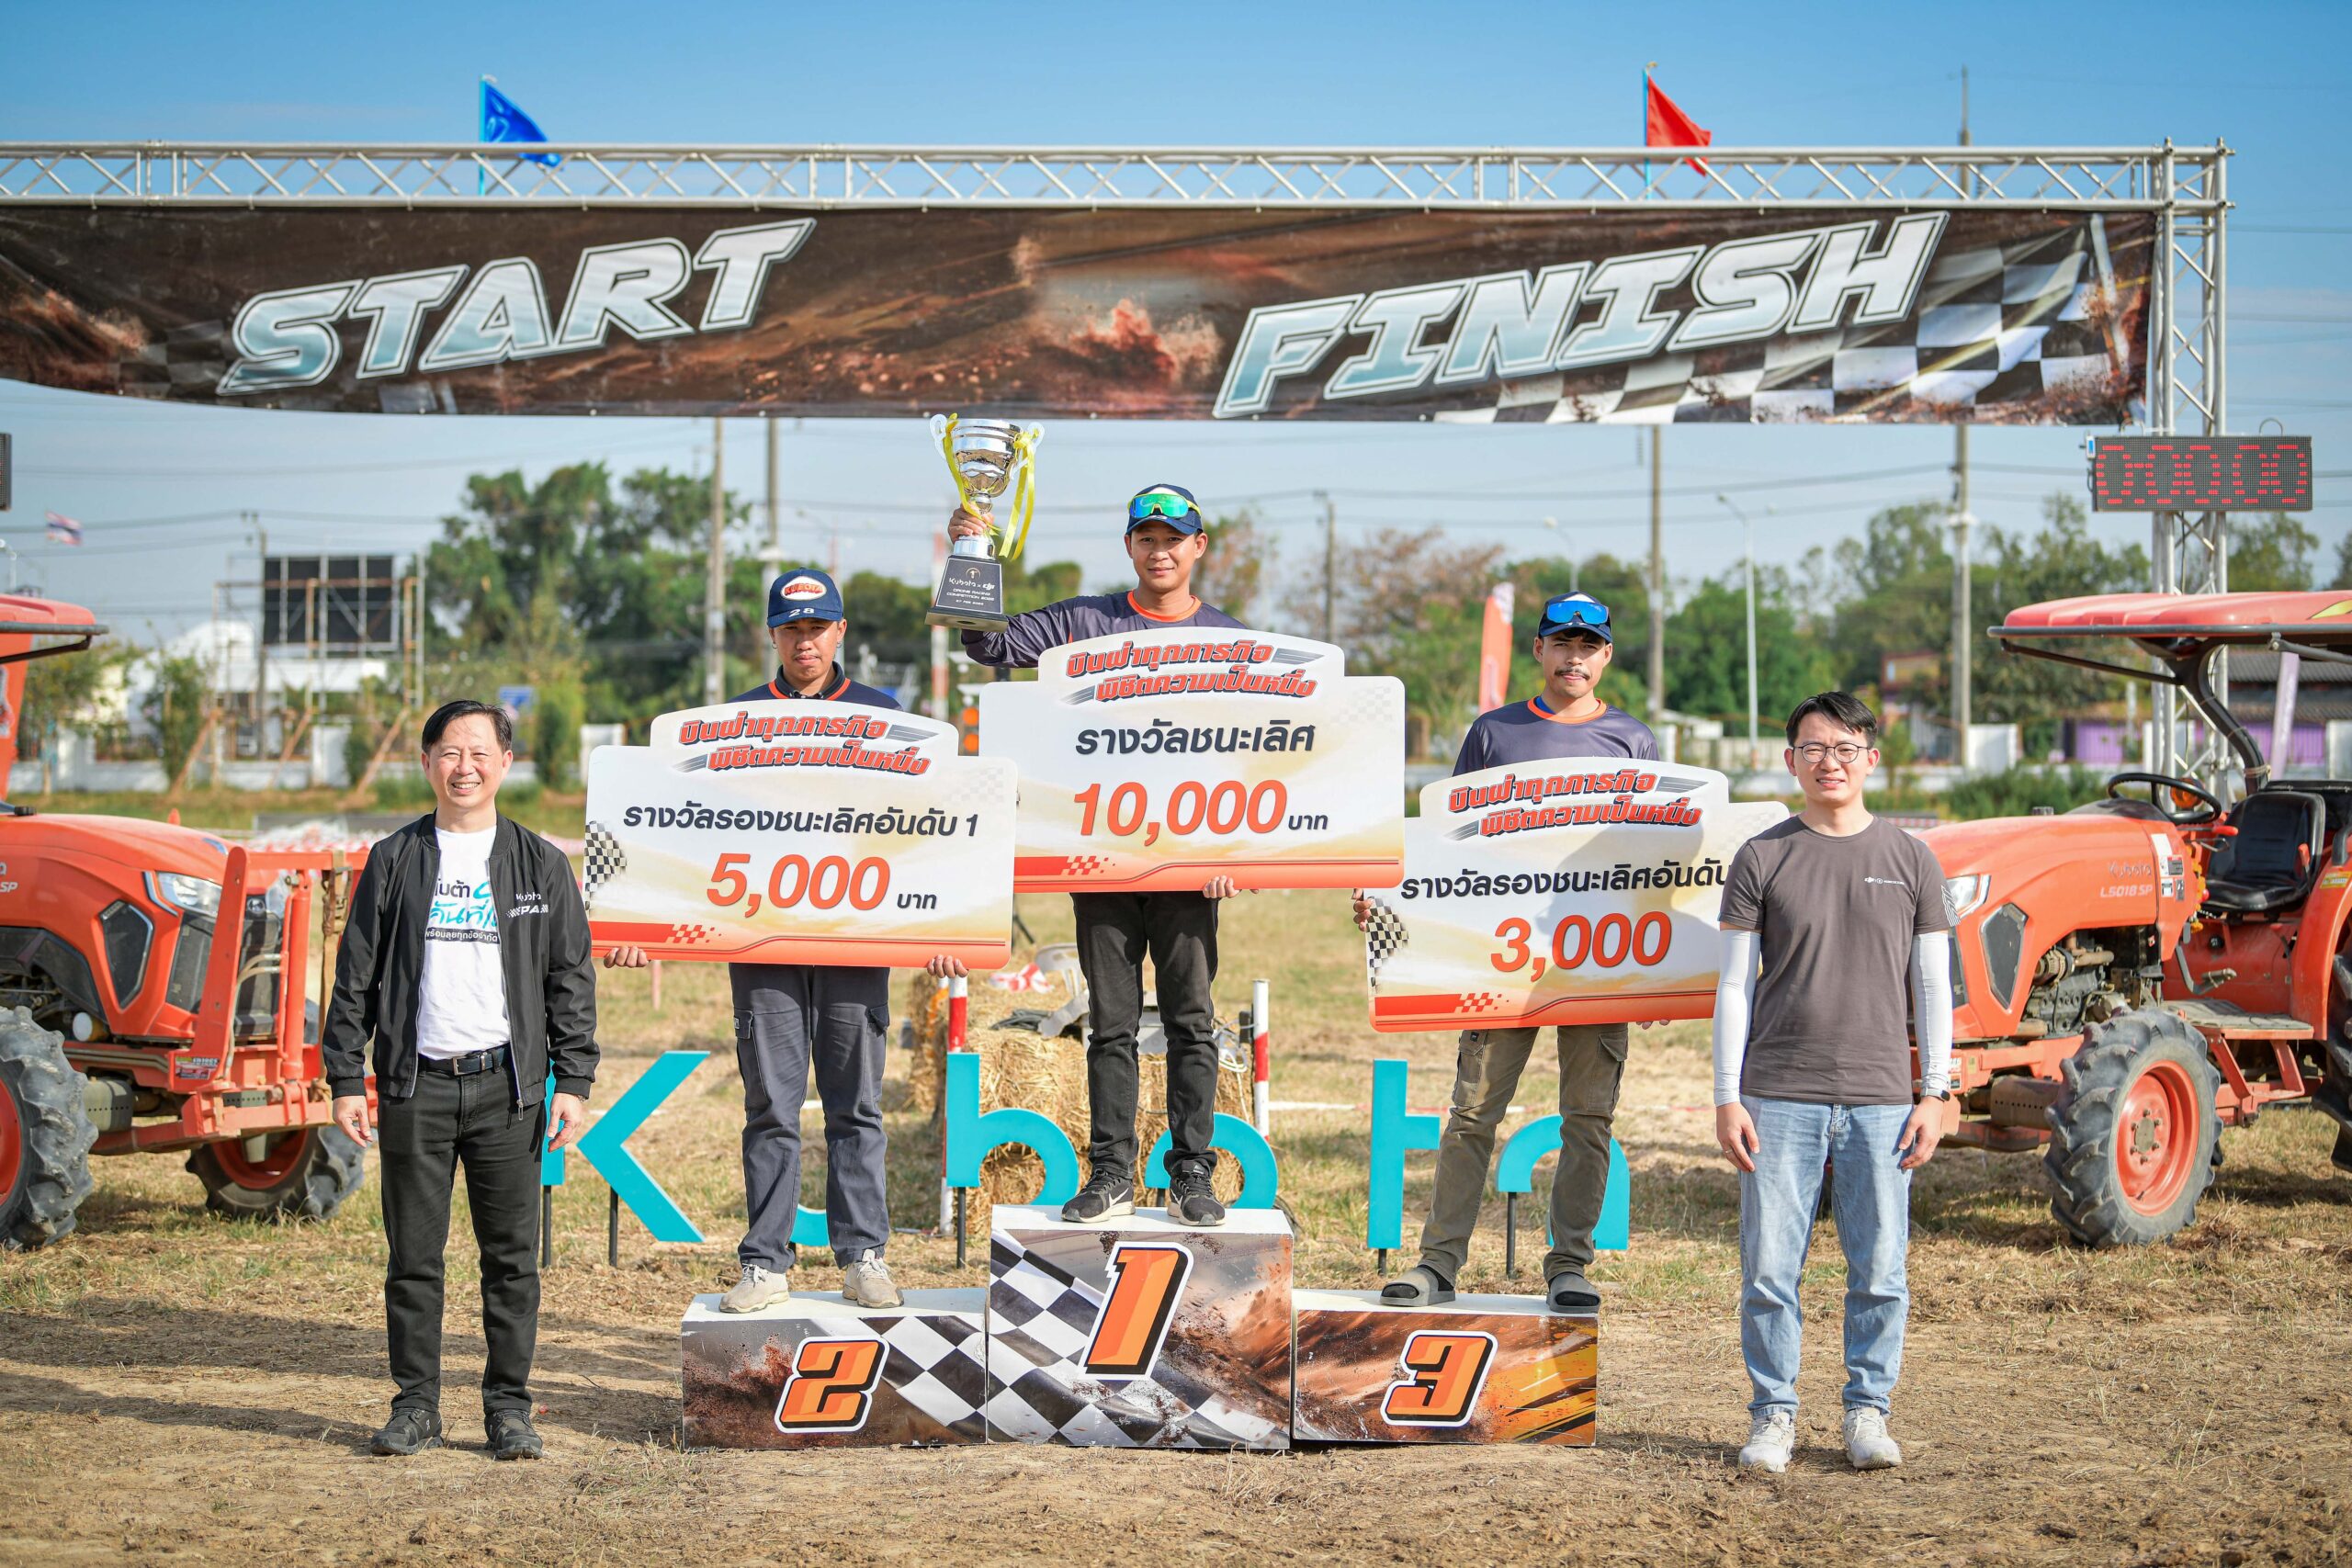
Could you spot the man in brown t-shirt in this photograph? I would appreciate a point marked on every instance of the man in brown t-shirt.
(1813, 1066)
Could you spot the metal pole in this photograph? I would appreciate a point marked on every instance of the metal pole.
(1658, 582)
(1748, 533)
(1963, 588)
(1511, 1235)
(1261, 1057)
(261, 632)
(1330, 558)
(961, 1193)
(714, 605)
(613, 1227)
(546, 1227)
(773, 563)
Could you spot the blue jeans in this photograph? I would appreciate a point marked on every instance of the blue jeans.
(1870, 1200)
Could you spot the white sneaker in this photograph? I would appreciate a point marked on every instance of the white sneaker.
(757, 1290)
(866, 1283)
(1867, 1444)
(1771, 1439)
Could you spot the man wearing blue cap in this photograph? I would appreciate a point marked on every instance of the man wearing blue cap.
(1567, 718)
(1166, 538)
(789, 1016)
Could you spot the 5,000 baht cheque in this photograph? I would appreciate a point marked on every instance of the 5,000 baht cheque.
(1154, 761)
(1579, 891)
(800, 833)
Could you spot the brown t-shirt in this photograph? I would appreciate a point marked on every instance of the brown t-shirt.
(1836, 919)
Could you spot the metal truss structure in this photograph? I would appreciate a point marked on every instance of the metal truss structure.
(2184, 187)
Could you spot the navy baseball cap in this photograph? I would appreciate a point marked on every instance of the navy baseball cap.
(1172, 504)
(804, 594)
(1575, 612)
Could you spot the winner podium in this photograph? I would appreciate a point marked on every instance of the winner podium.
(1137, 1334)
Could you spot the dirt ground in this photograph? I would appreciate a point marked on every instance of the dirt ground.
(175, 1388)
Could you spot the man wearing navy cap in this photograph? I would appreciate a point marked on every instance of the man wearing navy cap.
(789, 1016)
(1567, 718)
(1166, 538)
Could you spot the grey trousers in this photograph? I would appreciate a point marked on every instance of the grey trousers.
(787, 1018)
(1592, 1061)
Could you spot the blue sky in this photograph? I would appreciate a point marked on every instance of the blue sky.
(2266, 78)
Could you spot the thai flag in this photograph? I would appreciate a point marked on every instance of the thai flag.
(62, 530)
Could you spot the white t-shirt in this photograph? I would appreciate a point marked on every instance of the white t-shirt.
(463, 1004)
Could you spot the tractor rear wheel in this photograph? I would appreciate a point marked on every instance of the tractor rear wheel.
(302, 1175)
(45, 1135)
(2133, 1131)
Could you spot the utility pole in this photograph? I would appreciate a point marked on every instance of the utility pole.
(1658, 582)
(1962, 643)
(261, 632)
(771, 564)
(1748, 533)
(714, 594)
(1330, 558)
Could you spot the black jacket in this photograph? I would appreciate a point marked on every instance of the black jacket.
(542, 946)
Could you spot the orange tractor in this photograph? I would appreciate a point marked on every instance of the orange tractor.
(2134, 976)
(152, 996)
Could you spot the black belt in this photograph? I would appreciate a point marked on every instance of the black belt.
(465, 1066)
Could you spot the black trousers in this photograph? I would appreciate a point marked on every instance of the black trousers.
(1178, 931)
(471, 1122)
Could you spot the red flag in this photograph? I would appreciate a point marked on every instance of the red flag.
(1664, 124)
(1494, 647)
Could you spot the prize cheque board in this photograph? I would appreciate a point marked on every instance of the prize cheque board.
(1153, 761)
(1583, 890)
(772, 832)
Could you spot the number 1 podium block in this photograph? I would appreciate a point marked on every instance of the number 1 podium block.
(1139, 1333)
(1478, 1370)
(815, 1371)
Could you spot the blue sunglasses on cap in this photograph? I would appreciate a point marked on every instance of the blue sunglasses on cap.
(1575, 612)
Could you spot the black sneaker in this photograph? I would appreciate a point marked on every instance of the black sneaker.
(1102, 1197)
(1190, 1202)
(410, 1430)
(512, 1436)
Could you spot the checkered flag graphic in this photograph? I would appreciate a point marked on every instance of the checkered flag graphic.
(1383, 936)
(181, 362)
(602, 861)
(2007, 325)
(936, 1365)
(1040, 1318)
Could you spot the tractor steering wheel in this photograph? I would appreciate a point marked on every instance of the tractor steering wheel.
(2158, 784)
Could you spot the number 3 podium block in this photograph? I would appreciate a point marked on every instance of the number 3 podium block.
(815, 1371)
(1139, 1333)
(1478, 1370)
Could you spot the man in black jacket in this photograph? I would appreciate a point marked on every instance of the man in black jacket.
(465, 961)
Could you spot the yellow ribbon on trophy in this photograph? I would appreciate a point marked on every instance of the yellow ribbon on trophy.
(1024, 485)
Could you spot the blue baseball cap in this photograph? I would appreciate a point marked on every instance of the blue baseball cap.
(1575, 612)
(804, 594)
(1172, 504)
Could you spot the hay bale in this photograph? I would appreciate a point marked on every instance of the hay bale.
(1021, 1067)
(985, 1006)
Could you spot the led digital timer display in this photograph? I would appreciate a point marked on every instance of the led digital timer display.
(2201, 473)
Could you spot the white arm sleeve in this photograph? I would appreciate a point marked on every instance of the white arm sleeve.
(1930, 1011)
(1734, 1005)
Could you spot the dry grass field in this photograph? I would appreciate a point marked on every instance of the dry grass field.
(178, 1389)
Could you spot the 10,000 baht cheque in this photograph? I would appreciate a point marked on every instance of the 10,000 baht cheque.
(1153, 761)
(1584, 890)
(800, 833)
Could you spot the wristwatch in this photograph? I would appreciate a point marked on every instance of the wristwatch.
(1940, 1094)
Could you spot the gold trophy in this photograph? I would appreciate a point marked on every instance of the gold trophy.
(987, 457)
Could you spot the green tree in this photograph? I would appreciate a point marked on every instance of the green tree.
(176, 701)
(59, 690)
(1409, 604)
(2272, 552)
(1232, 575)
(1706, 642)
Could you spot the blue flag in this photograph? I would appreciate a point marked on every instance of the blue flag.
(503, 120)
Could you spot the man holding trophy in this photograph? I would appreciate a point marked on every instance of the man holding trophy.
(1166, 538)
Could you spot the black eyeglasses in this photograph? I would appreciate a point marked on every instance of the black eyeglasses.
(1815, 753)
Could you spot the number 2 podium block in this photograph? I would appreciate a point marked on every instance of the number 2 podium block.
(815, 1371)
(1139, 1333)
(1478, 1370)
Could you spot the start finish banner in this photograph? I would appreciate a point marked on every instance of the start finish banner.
(1579, 891)
(1153, 761)
(800, 833)
(1904, 315)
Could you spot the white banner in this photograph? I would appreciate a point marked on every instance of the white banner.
(1578, 891)
(1156, 760)
(772, 832)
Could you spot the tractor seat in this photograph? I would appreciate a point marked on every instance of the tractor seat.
(2271, 860)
